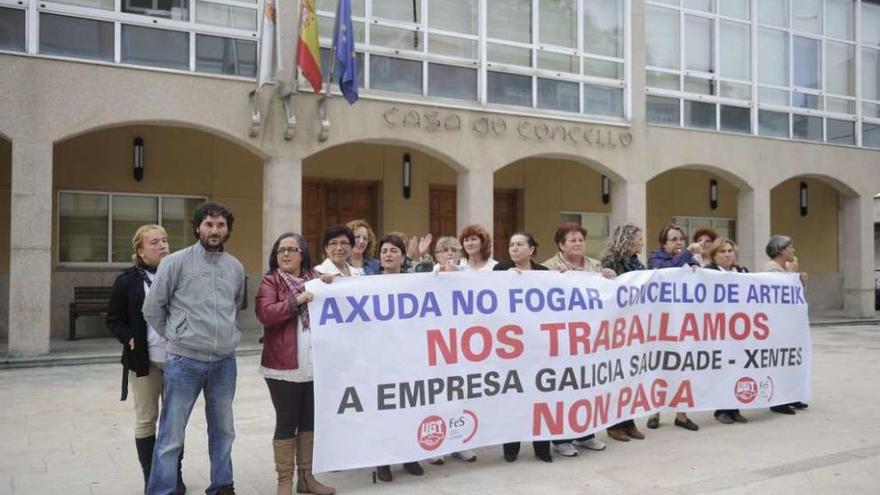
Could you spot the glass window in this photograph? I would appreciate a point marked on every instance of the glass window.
(773, 57)
(509, 89)
(772, 124)
(699, 85)
(398, 10)
(129, 213)
(603, 68)
(226, 15)
(177, 220)
(168, 9)
(700, 42)
(663, 111)
(156, 47)
(12, 30)
(459, 16)
(736, 119)
(840, 68)
(871, 135)
(510, 55)
(807, 63)
(804, 100)
(699, 115)
(806, 127)
(840, 105)
(402, 39)
(357, 6)
(662, 37)
(557, 22)
(773, 96)
(447, 81)
(452, 46)
(558, 62)
(603, 27)
(871, 110)
(735, 8)
(704, 5)
(558, 95)
(807, 16)
(325, 29)
(394, 74)
(95, 4)
(840, 20)
(734, 90)
(82, 227)
(773, 12)
(736, 53)
(841, 131)
(218, 55)
(76, 37)
(510, 20)
(599, 100)
(663, 80)
(871, 74)
(871, 22)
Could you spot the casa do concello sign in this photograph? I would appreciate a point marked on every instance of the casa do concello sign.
(494, 125)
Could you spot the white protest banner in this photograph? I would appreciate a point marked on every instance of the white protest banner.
(417, 365)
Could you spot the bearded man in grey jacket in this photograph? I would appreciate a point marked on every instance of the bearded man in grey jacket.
(193, 303)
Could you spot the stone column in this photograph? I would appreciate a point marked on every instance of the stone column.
(638, 50)
(753, 226)
(476, 198)
(30, 257)
(629, 204)
(857, 254)
(282, 199)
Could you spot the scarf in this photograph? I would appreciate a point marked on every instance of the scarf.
(142, 269)
(297, 286)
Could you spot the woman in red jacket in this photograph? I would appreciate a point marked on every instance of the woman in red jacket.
(286, 363)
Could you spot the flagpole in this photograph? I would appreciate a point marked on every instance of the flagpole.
(324, 129)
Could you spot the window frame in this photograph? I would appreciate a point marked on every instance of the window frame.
(56, 255)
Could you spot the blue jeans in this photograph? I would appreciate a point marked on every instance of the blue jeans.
(184, 379)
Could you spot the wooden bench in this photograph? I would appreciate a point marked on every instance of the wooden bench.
(88, 301)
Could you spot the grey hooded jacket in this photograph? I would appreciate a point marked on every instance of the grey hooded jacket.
(194, 302)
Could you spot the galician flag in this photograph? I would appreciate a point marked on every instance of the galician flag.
(308, 54)
(270, 45)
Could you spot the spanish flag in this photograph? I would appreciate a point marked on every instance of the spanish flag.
(308, 54)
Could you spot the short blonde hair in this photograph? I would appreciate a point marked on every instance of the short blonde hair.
(447, 242)
(137, 241)
(719, 244)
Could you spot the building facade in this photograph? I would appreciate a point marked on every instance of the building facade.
(753, 117)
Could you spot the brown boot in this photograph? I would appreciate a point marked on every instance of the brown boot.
(618, 435)
(634, 432)
(306, 483)
(284, 450)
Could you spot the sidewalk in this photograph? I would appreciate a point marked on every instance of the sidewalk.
(64, 431)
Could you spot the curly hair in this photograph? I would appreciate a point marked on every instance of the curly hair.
(211, 209)
(369, 251)
(476, 230)
(620, 243)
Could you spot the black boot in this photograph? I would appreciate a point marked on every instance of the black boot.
(181, 487)
(145, 455)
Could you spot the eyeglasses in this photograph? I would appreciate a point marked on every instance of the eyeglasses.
(289, 249)
(339, 244)
(674, 239)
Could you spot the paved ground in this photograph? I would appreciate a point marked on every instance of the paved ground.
(63, 431)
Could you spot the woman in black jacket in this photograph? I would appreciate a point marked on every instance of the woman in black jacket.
(143, 350)
(522, 248)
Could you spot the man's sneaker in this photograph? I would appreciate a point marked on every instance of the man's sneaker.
(565, 449)
(590, 444)
(465, 455)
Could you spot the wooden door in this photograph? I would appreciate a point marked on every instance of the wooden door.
(507, 216)
(329, 202)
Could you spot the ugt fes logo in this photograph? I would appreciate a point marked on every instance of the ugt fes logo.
(434, 430)
(747, 389)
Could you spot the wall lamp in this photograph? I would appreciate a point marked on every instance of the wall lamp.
(138, 151)
(803, 199)
(606, 190)
(713, 194)
(407, 176)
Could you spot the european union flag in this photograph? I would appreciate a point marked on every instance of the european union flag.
(343, 40)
